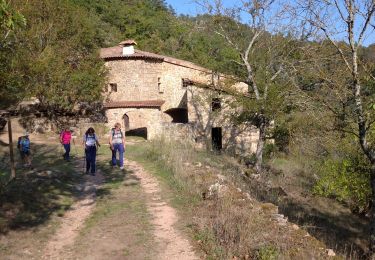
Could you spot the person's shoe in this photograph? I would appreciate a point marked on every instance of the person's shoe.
(92, 174)
(122, 167)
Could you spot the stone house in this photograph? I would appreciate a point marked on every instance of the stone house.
(153, 95)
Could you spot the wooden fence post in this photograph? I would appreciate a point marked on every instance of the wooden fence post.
(11, 154)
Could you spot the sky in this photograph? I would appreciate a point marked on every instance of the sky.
(189, 7)
(184, 6)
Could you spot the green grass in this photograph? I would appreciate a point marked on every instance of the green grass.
(151, 163)
(34, 196)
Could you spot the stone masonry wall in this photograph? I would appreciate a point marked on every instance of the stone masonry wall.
(138, 118)
(136, 79)
(140, 80)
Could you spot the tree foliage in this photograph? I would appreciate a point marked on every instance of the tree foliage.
(54, 58)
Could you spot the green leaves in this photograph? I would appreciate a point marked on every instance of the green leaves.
(10, 18)
(55, 58)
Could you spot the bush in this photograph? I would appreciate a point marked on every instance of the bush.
(269, 150)
(347, 180)
(267, 253)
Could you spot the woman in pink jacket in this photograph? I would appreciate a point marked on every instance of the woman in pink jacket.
(65, 138)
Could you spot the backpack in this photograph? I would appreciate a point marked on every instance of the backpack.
(113, 133)
(94, 137)
(19, 142)
(25, 144)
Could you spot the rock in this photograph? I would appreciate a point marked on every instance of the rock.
(280, 219)
(295, 227)
(199, 164)
(330, 252)
(255, 176)
(221, 177)
(216, 190)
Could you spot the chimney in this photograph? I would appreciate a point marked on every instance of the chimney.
(128, 47)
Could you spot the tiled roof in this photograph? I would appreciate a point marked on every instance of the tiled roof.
(138, 104)
(115, 53)
(128, 42)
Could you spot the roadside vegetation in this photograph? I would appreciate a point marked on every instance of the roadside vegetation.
(224, 221)
(32, 203)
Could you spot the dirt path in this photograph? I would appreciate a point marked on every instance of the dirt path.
(172, 245)
(74, 219)
(123, 232)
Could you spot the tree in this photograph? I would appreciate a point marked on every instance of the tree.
(9, 19)
(54, 58)
(352, 21)
(253, 29)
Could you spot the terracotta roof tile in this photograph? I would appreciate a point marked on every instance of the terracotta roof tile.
(128, 42)
(114, 53)
(138, 104)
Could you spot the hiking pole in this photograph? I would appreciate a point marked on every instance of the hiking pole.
(84, 161)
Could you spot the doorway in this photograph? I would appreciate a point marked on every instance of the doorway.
(217, 138)
(126, 122)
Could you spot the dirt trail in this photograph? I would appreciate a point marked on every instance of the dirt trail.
(172, 245)
(74, 219)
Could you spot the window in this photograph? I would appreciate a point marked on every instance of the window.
(160, 86)
(113, 87)
(216, 104)
(185, 83)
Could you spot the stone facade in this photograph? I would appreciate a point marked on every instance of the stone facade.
(168, 97)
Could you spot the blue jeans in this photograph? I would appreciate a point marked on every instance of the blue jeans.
(67, 151)
(90, 158)
(121, 150)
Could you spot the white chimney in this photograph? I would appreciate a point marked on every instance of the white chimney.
(128, 47)
(128, 50)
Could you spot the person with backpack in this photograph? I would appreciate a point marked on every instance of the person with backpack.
(65, 138)
(24, 148)
(90, 143)
(117, 143)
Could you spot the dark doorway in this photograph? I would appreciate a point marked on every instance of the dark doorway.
(179, 115)
(215, 104)
(126, 122)
(217, 138)
(141, 132)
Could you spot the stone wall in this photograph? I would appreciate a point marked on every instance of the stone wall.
(136, 79)
(138, 118)
(141, 80)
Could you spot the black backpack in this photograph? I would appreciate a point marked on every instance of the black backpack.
(113, 133)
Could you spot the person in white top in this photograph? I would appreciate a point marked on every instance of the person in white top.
(117, 143)
(90, 143)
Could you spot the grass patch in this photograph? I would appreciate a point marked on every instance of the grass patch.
(35, 195)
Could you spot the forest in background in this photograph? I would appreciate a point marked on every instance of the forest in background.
(51, 53)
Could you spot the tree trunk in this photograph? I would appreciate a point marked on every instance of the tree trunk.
(11, 154)
(372, 215)
(260, 145)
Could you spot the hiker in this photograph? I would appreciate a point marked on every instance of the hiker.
(117, 143)
(65, 138)
(24, 148)
(90, 143)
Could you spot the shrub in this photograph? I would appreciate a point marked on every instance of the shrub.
(348, 180)
(268, 253)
